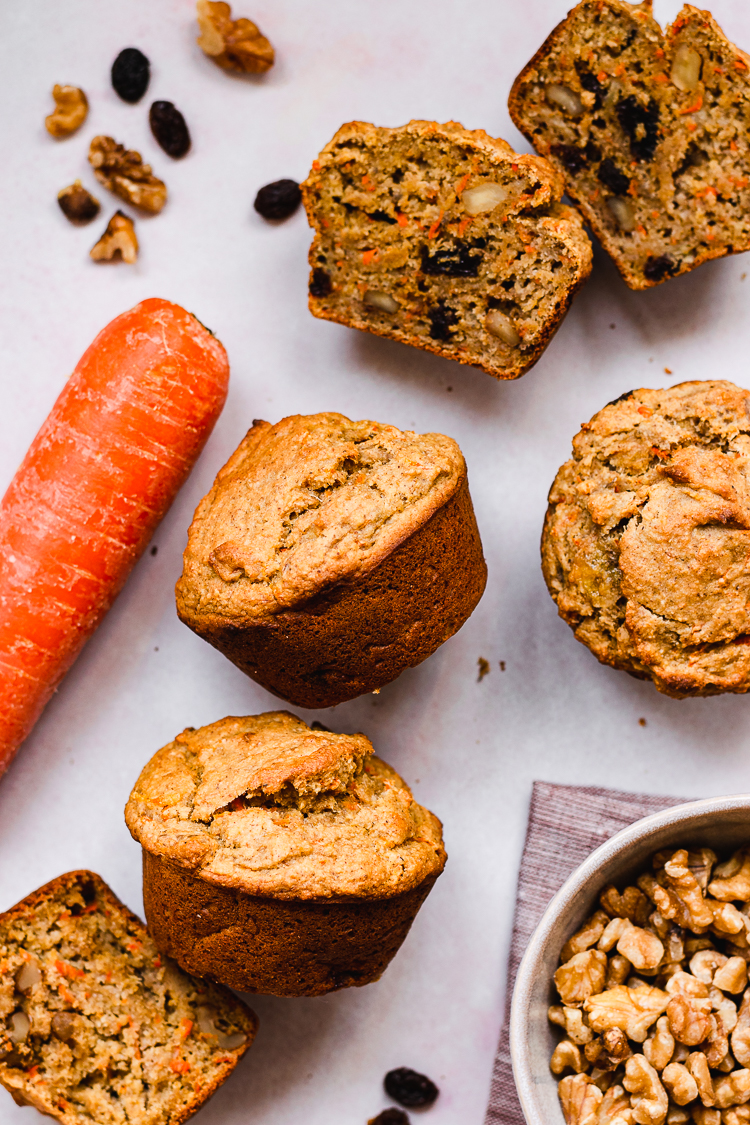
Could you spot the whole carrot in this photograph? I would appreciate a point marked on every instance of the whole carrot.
(100, 474)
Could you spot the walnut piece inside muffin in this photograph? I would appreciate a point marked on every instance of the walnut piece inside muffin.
(646, 544)
(268, 806)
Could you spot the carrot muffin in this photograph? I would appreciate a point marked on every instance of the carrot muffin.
(443, 238)
(330, 555)
(646, 545)
(96, 1025)
(280, 859)
(649, 130)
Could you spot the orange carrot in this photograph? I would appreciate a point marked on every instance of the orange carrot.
(100, 474)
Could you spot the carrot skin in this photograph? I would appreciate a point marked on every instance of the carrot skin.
(97, 479)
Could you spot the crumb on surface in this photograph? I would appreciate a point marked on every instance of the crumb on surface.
(484, 668)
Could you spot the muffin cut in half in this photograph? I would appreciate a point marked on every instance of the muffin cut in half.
(280, 859)
(443, 238)
(650, 130)
(646, 544)
(330, 555)
(95, 1025)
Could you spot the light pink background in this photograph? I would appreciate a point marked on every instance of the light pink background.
(470, 749)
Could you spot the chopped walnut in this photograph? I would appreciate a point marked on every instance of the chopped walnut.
(681, 880)
(642, 948)
(676, 1115)
(580, 1100)
(723, 1007)
(118, 240)
(698, 1067)
(124, 173)
(732, 1090)
(740, 1038)
(727, 918)
(78, 204)
(716, 1043)
(615, 1107)
(575, 1028)
(631, 904)
(232, 44)
(71, 110)
(649, 1098)
(684, 984)
(659, 1047)
(613, 932)
(632, 1010)
(689, 1021)
(581, 977)
(704, 964)
(610, 1051)
(566, 1056)
(738, 1116)
(587, 936)
(732, 975)
(701, 864)
(731, 881)
(701, 1115)
(680, 1084)
(618, 970)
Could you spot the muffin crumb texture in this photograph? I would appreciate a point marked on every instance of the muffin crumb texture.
(95, 1025)
(645, 546)
(272, 808)
(443, 238)
(655, 1008)
(649, 130)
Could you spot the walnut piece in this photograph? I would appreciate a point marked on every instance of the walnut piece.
(232, 44)
(698, 1067)
(615, 1108)
(566, 1056)
(733, 1090)
(610, 1051)
(588, 935)
(680, 1084)
(118, 240)
(631, 904)
(124, 173)
(633, 1010)
(580, 1100)
(731, 880)
(71, 110)
(618, 970)
(732, 975)
(659, 1047)
(649, 1098)
(642, 949)
(78, 204)
(689, 1019)
(581, 977)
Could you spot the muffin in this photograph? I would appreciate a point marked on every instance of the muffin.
(330, 555)
(649, 130)
(443, 238)
(280, 859)
(645, 545)
(96, 1026)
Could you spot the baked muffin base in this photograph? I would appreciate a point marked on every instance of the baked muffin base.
(360, 636)
(270, 945)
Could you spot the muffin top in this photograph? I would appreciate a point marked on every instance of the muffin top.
(646, 547)
(268, 806)
(305, 504)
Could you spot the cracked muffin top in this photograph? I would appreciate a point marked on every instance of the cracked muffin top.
(307, 503)
(646, 545)
(270, 807)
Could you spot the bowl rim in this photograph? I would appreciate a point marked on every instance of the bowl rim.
(576, 881)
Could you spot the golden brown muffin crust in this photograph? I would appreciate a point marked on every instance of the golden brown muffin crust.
(270, 807)
(305, 504)
(646, 545)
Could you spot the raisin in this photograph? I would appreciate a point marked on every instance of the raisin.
(169, 128)
(599, 122)
(611, 176)
(572, 158)
(390, 1117)
(320, 283)
(131, 71)
(509, 283)
(591, 83)
(442, 319)
(631, 114)
(454, 261)
(397, 176)
(410, 1088)
(656, 269)
(381, 216)
(278, 200)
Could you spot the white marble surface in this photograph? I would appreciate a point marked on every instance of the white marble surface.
(470, 749)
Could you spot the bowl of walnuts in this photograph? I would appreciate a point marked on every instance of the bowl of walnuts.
(631, 1005)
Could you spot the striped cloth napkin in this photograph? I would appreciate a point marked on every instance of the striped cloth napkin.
(566, 823)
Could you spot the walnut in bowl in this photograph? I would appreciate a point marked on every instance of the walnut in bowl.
(648, 1019)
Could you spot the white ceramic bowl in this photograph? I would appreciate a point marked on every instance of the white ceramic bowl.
(721, 823)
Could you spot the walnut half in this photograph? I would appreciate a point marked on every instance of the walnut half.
(232, 44)
(124, 173)
(71, 110)
(118, 240)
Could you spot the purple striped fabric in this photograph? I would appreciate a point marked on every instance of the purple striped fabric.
(566, 823)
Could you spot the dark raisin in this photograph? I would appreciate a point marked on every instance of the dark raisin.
(656, 269)
(479, 243)
(453, 261)
(631, 114)
(131, 71)
(410, 1088)
(77, 204)
(391, 1116)
(599, 122)
(278, 200)
(397, 176)
(442, 319)
(572, 158)
(169, 128)
(381, 216)
(611, 176)
(591, 83)
(320, 283)
(509, 283)
(593, 154)
(632, 34)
